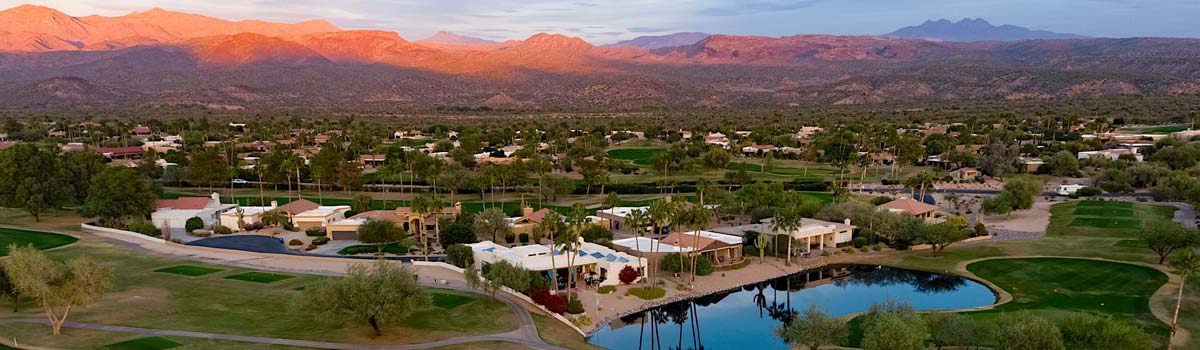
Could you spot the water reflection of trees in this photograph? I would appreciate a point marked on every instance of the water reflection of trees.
(773, 299)
(922, 281)
(657, 324)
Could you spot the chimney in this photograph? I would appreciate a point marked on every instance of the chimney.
(847, 221)
(526, 211)
(216, 197)
(274, 204)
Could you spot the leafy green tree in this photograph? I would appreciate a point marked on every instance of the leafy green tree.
(1063, 163)
(1086, 331)
(81, 166)
(460, 255)
(504, 274)
(716, 158)
(118, 194)
(812, 329)
(1165, 236)
(379, 232)
(8, 289)
(206, 167)
(1023, 331)
(378, 293)
(559, 185)
(59, 286)
(951, 329)
(326, 165)
(349, 176)
(33, 179)
(361, 203)
(941, 235)
(999, 204)
(1115, 181)
(893, 326)
(458, 232)
(492, 221)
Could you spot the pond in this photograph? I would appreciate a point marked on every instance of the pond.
(746, 318)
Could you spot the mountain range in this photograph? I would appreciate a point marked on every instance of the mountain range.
(660, 41)
(156, 57)
(975, 30)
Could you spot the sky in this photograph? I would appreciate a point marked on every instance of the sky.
(607, 21)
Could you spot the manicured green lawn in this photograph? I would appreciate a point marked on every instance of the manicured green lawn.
(450, 301)
(212, 303)
(189, 270)
(1106, 204)
(390, 248)
(1106, 223)
(39, 240)
(1107, 219)
(1056, 288)
(639, 156)
(148, 343)
(1100, 211)
(259, 277)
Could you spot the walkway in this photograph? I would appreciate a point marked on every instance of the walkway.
(431, 276)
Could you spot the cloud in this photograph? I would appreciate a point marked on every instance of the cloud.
(757, 7)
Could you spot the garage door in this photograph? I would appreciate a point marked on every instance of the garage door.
(345, 235)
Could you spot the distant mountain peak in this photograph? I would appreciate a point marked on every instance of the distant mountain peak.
(975, 29)
(653, 42)
(444, 37)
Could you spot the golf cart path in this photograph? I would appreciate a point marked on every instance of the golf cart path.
(429, 276)
(1160, 301)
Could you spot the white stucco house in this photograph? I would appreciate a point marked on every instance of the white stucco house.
(174, 213)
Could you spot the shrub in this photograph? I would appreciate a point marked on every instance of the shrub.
(193, 223)
(314, 231)
(581, 321)
(222, 230)
(556, 304)
(539, 295)
(509, 238)
(673, 262)
(1088, 192)
(824, 253)
(523, 238)
(145, 228)
(859, 241)
(647, 293)
(295, 242)
(981, 229)
(575, 306)
(607, 289)
(320, 240)
(460, 255)
(877, 247)
(594, 233)
(254, 226)
(880, 200)
(627, 275)
(704, 267)
(538, 281)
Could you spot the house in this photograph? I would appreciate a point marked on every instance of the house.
(592, 260)
(140, 130)
(296, 207)
(320, 217)
(415, 223)
(616, 216)
(247, 216)
(1032, 164)
(909, 206)
(372, 160)
(721, 249)
(347, 229)
(528, 221)
(818, 234)
(1113, 154)
(965, 174)
(174, 213)
(131, 152)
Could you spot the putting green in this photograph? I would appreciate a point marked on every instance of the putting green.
(39, 240)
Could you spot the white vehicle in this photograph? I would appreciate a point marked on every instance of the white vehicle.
(1067, 190)
(240, 182)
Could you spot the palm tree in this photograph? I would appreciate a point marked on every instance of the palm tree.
(787, 219)
(660, 214)
(612, 202)
(552, 224)
(569, 241)
(636, 221)
(697, 218)
(1187, 265)
(427, 204)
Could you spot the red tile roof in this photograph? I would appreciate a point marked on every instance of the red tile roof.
(298, 206)
(183, 203)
